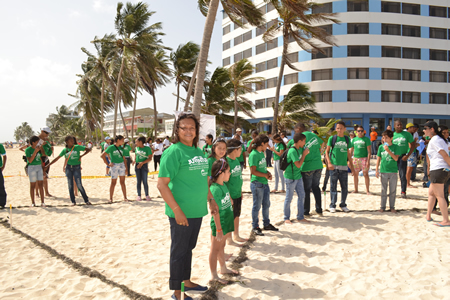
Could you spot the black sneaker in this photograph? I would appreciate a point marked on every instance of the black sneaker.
(404, 195)
(257, 231)
(270, 227)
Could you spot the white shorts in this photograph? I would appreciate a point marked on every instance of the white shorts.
(117, 170)
(35, 173)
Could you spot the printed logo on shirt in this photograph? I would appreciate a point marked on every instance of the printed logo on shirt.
(385, 155)
(262, 161)
(197, 163)
(204, 173)
(311, 143)
(342, 145)
(400, 141)
(359, 144)
(236, 171)
(226, 202)
(141, 154)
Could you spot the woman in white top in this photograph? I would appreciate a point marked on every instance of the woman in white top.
(439, 170)
(158, 150)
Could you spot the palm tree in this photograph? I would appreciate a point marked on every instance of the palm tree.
(239, 74)
(324, 132)
(236, 10)
(298, 105)
(23, 132)
(184, 60)
(295, 21)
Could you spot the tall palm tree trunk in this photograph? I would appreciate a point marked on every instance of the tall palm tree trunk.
(191, 86)
(280, 77)
(123, 121)
(178, 95)
(134, 107)
(235, 111)
(203, 56)
(155, 116)
(116, 98)
(102, 101)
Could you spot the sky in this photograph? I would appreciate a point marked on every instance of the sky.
(41, 52)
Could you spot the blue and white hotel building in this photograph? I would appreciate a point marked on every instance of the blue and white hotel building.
(391, 62)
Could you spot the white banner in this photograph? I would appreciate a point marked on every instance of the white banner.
(207, 126)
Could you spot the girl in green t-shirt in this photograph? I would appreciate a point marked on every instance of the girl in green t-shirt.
(278, 150)
(222, 224)
(126, 149)
(34, 169)
(118, 167)
(207, 148)
(218, 151)
(143, 157)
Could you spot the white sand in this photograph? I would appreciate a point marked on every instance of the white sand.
(360, 255)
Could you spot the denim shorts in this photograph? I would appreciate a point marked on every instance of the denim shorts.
(412, 160)
(117, 170)
(35, 173)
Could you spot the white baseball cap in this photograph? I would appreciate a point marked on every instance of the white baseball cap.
(107, 138)
(127, 140)
(46, 129)
(238, 130)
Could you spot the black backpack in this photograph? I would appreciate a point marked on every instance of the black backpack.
(333, 142)
(284, 160)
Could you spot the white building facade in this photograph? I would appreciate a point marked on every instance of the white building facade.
(391, 62)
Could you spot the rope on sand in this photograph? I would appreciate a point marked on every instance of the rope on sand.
(82, 177)
(77, 266)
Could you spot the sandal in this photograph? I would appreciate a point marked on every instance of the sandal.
(33, 205)
(88, 203)
(43, 205)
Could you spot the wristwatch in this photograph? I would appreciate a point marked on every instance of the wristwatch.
(210, 199)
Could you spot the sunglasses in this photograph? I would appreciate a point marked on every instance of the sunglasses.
(426, 128)
(360, 130)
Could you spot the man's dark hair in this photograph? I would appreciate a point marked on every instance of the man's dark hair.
(340, 123)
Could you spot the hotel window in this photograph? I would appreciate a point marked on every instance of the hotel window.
(411, 97)
(261, 29)
(357, 28)
(328, 28)
(261, 67)
(436, 76)
(293, 57)
(247, 36)
(226, 61)
(411, 9)
(391, 7)
(261, 48)
(411, 30)
(260, 103)
(270, 101)
(412, 75)
(226, 29)
(438, 98)
(438, 55)
(391, 74)
(272, 44)
(237, 57)
(238, 40)
(358, 96)
(247, 53)
(328, 52)
(260, 86)
(412, 53)
(438, 11)
(387, 51)
(226, 45)
(390, 96)
(358, 73)
(325, 96)
(391, 29)
(438, 33)
(270, 7)
(357, 5)
(323, 8)
(325, 74)
(271, 83)
(273, 63)
(262, 9)
(291, 78)
(357, 50)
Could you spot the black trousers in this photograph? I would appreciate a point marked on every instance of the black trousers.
(184, 240)
(2, 190)
(269, 158)
(402, 172)
(156, 160)
(128, 165)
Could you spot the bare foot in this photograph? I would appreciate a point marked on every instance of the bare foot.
(228, 256)
(381, 210)
(110, 201)
(288, 222)
(233, 243)
(228, 271)
(368, 193)
(355, 192)
(436, 212)
(48, 195)
(273, 191)
(282, 191)
(240, 240)
(393, 211)
(219, 280)
(304, 221)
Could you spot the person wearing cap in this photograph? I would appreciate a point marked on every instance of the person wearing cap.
(2, 180)
(405, 141)
(104, 145)
(239, 134)
(126, 148)
(373, 141)
(48, 150)
(412, 160)
(438, 169)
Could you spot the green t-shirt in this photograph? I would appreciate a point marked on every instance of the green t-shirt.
(187, 169)
(207, 150)
(258, 159)
(290, 143)
(278, 147)
(313, 161)
(47, 148)
(2, 153)
(125, 150)
(37, 159)
(142, 154)
(402, 140)
(223, 200)
(241, 157)
(74, 159)
(360, 146)
(235, 182)
(292, 172)
(211, 160)
(388, 164)
(114, 154)
(338, 155)
(104, 145)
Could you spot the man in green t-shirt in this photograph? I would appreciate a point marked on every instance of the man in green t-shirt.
(360, 151)
(337, 158)
(406, 146)
(293, 177)
(2, 180)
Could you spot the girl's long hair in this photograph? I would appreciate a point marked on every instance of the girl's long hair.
(259, 140)
(218, 167)
(213, 149)
(278, 137)
(232, 145)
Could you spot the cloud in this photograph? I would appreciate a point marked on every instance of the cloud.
(27, 24)
(75, 14)
(101, 6)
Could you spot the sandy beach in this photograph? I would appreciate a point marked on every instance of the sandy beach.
(363, 254)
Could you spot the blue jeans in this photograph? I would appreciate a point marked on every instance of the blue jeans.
(261, 196)
(2, 189)
(74, 172)
(278, 173)
(141, 177)
(402, 172)
(374, 147)
(311, 181)
(342, 176)
(297, 186)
